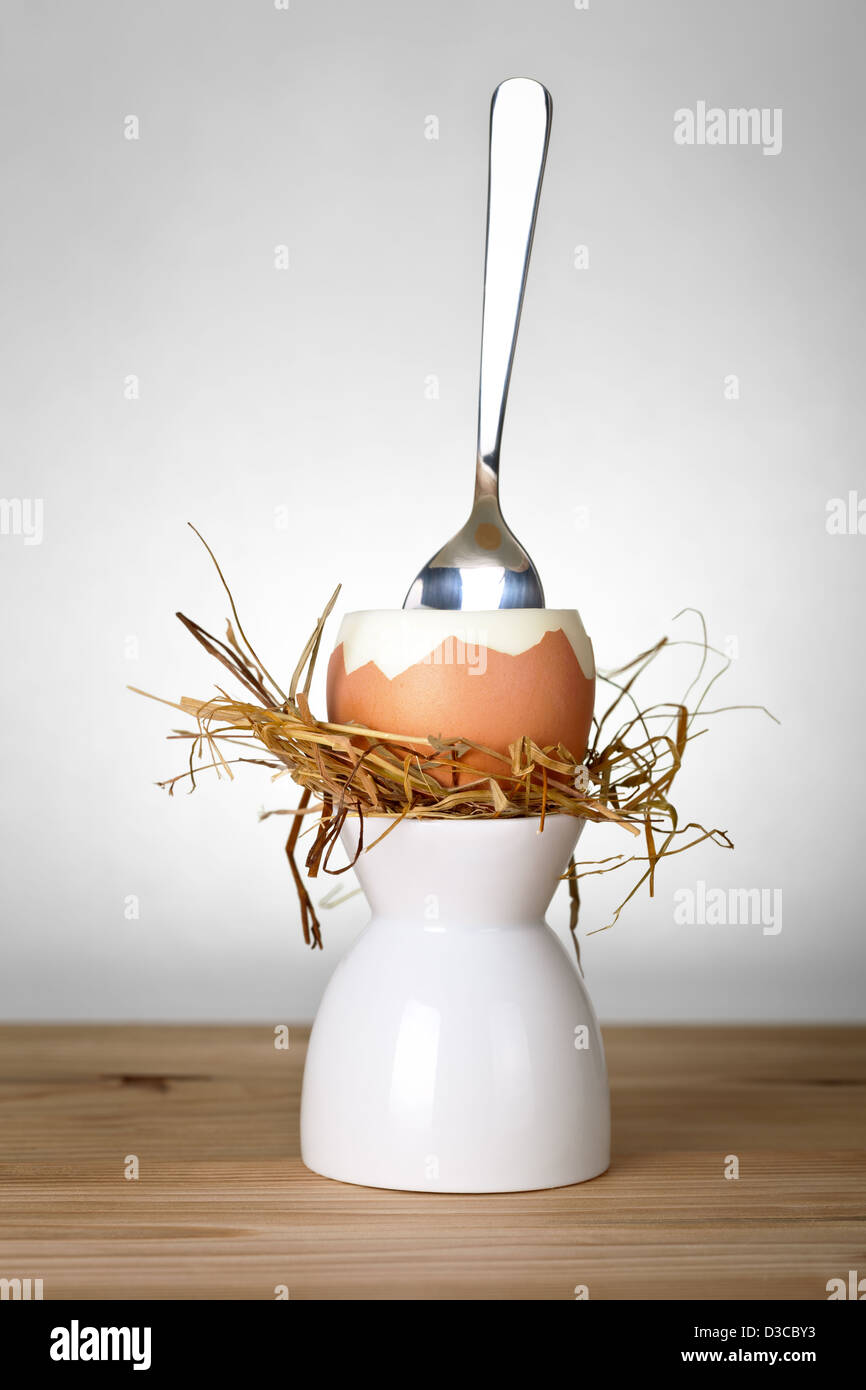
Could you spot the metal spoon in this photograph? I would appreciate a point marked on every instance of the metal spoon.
(485, 566)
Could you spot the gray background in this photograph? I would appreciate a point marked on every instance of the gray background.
(636, 486)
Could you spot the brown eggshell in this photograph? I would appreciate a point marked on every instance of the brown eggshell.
(494, 699)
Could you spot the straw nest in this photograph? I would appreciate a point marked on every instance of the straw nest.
(625, 779)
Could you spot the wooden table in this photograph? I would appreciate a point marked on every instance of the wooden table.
(223, 1208)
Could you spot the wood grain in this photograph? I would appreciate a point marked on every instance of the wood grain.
(223, 1207)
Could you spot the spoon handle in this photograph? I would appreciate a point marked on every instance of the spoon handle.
(520, 115)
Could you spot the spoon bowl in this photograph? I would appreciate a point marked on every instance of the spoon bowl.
(483, 566)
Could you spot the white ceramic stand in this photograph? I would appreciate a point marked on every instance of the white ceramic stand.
(456, 1048)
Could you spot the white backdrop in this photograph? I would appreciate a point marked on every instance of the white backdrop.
(288, 413)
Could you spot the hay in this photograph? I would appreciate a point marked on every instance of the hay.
(345, 769)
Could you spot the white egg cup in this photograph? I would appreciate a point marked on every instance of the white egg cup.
(456, 1048)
